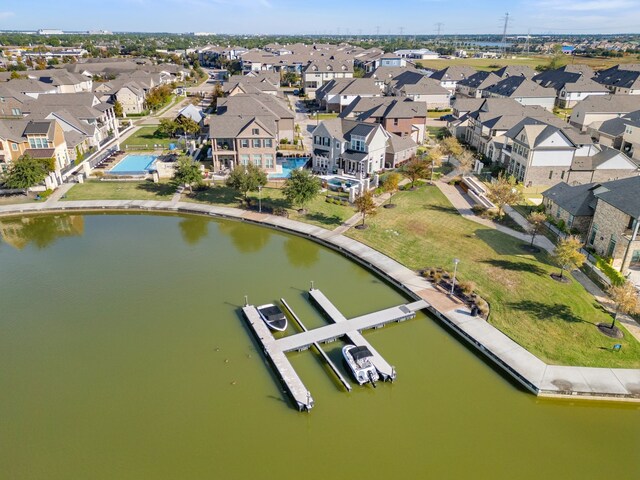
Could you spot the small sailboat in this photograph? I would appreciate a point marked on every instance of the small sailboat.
(273, 317)
(358, 359)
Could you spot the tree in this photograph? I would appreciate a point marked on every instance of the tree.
(26, 172)
(167, 127)
(503, 192)
(536, 224)
(415, 169)
(625, 297)
(117, 109)
(187, 126)
(365, 205)
(290, 78)
(187, 172)
(451, 146)
(246, 179)
(435, 159)
(390, 185)
(301, 187)
(466, 161)
(567, 254)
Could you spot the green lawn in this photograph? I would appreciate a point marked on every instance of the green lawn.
(326, 116)
(319, 212)
(146, 136)
(97, 190)
(437, 114)
(555, 321)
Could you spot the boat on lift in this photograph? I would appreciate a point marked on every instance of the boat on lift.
(358, 359)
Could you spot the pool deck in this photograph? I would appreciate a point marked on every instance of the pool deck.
(538, 377)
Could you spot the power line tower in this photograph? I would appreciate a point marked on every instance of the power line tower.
(378, 31)
(439, 26)
(504, 33)
(526, 45)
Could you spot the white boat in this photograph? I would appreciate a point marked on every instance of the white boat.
(358, 359)
(273, 317)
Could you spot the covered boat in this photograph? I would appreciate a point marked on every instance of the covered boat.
(358, 359)
(273, 317)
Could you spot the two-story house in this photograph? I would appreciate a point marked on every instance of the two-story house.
(621, 79)
(595, 109)
(450, 76)
(320, 71)
(572, 84)
(355, 148)
(240, 140)
(336, 95)
(523, 91)
(474, 85)
(400, 116)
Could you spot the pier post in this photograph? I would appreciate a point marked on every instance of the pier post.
(311, 285)
(246, 300)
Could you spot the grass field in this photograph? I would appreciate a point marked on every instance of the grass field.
(97, 190)
(319, 212)
(555, 321)
(325, 116)
(531, 61)
(146, 136)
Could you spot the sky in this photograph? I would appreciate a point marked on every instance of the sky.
(411, 17)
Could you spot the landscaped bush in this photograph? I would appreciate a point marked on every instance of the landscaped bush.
(479, 209)
(281, 212)
(467, 287)
(483, 307)
(605, 267)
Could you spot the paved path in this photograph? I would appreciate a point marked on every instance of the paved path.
(513, 359)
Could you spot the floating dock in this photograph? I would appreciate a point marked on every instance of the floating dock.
(276, 349)
(296, 389)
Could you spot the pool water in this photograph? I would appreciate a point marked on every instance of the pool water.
(132, 164)
(288, 165)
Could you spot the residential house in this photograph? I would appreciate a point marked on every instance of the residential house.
(348, 146)
(30, 88)
(595, 109)
(540, 152)
(39, 139)
(572, 84)
(318, 72)
(337, 94)
(631, 136)
(611, 132)
(459, 118)
(192, 113)
(474, 85)
(11, 102)
(515, 71)
(63, 81)
(612, 212)
(385, 76)
(399, 150)
(417, 54)
(522, 90)
(425, 90)
(400, 116)
(621, 79)
(450, 76)
(272, 112)
(393, 61)
(240, 140)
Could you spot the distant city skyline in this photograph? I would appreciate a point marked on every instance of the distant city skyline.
(327, 17)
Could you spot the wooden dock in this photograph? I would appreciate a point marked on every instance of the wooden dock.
(296, 389)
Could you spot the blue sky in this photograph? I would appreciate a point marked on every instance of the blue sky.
(324, 16)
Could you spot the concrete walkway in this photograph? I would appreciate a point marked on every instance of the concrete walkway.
(530, 371)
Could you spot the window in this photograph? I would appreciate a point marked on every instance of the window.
(395, 122)
(256, 143)
(38, 142)
(14, 147)
(268, 161)
(337, 144)
(257, 160)
(612, 246)
(570, 221)
(244, 160)
(268, 143)
(244, 143)
(562, 175)
(558, 212)
(16, 112)
(255, 131)
(594, 232)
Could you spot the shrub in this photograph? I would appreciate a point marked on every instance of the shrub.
(483, 307)
(467, 286)
(98, 174)
(280, 212)
(612, 274)
(479, 209)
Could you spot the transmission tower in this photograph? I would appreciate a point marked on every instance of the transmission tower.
(504, 33)
(439, 26)
(526, 45)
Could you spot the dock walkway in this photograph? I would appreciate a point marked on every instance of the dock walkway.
(281, 363)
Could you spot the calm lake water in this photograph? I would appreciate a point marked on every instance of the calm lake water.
(123, 356)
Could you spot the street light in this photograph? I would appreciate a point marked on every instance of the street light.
(259, 198)
(456, 261)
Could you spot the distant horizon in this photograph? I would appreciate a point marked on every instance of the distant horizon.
(331, 17)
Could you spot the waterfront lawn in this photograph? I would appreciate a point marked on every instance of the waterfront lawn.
(554, 321)
(146, 136)
(97, 190)
(319, 212)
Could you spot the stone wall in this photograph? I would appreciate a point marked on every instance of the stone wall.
(611, 223)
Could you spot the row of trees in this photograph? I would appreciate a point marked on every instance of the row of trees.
(158, 96)
(182, 125)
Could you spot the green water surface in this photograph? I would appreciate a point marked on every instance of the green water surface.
(123, 356)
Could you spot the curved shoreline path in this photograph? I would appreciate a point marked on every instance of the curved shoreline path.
(537, 376)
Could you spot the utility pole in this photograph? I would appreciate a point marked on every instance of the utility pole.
(439, 26)
(378, 31)
(526, 45)
(504, 33)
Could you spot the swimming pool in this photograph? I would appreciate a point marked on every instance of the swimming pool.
(134, 164)
(288, 165)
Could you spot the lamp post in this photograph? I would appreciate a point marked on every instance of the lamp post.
(456, 261)
(259, 198)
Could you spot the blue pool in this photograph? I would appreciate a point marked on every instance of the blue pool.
(289, 164)
(134, 164)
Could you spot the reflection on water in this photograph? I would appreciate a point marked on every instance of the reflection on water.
(246, 238)
(194, 229)
(42, 232)
(301, 254)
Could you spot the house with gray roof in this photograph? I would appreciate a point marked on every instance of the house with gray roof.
(538, 152)
(397, 115)
(611, 132)
(612, 211)
(515, 71)
(572, 84)
(399, 150)
(348, 146)
(449, 76)
(522, 90)
(623, 79)
(474, 85)
(336, 95)
(595, 109)
(323, 70)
